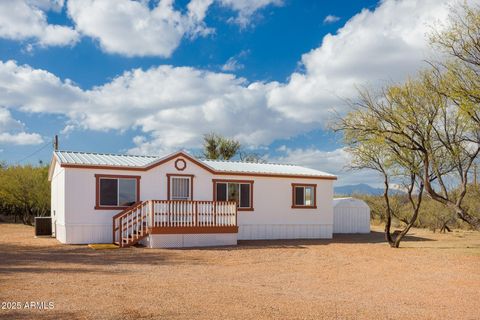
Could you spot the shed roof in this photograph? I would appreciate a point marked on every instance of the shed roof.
(73, 158)
(349, 202)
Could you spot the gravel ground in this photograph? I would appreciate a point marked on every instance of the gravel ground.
(435, 276)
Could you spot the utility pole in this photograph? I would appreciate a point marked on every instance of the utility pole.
(55, 143)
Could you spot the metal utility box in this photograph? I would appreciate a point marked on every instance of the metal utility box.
(43, 226)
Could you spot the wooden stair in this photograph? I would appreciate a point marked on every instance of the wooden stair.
(130, 226)
(173, 217)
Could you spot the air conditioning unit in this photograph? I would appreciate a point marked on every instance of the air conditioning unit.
(43, 226)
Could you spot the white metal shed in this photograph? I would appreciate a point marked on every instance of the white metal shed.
(350, 215)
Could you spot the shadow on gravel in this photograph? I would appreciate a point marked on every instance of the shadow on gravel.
(40, 315)
(372, 237)
(16, 258)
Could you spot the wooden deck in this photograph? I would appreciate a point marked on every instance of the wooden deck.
(173, 217)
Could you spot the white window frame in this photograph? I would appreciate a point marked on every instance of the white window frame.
(170, 186)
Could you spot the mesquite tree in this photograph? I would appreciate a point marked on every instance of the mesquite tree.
(433, 118)
(371, 150)
(412, 120)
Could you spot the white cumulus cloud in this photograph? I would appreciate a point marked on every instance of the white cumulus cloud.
(12, 131)
(372, 48)
(26, 20)
(173, 106)
(131, 28)
(134, 28)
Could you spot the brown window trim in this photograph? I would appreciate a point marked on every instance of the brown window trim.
(179, 175)
(295, 206)
(113, 176)
(215, 181)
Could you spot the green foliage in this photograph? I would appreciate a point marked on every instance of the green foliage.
(425, 133)
(433, 215)
(216, 147)
(24, 192)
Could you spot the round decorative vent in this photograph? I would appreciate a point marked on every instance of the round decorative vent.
(180, 164)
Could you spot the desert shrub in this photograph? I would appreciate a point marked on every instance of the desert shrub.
(24, 192)
(433, 215)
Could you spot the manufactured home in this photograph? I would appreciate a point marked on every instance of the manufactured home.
(182, 201)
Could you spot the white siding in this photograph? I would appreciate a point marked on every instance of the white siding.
(57, 205)
(272, 218)
(351, 216)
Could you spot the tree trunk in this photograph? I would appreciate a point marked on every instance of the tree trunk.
(402, 234)
(416, 209)
(445, 228)
(27, 216)
(388, 223)
(471, 220)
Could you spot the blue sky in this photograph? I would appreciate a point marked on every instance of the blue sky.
(270, 73)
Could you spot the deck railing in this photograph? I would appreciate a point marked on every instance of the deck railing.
(134, 223)
(131, 224)
(177, 213)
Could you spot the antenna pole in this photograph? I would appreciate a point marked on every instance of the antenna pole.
(55, 143)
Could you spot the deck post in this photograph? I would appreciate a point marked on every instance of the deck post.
(236, 215)
(214, 213)
(196, 214)
(120, 232)
(152, 213)
(113, 231)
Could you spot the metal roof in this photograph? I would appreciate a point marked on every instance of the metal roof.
(268, 168)
(349, 202)
(104, 159)
(134, 161)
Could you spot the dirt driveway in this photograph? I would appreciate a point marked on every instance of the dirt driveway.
(434, 276)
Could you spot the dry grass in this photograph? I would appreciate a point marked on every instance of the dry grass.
(435, 276)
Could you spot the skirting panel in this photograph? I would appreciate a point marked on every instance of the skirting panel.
(190, 240)
(284, 231)
(84, 233)
(60, 233)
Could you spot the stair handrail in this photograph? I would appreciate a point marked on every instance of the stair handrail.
(120, 215)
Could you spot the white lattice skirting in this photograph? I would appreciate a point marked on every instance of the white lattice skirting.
(284, 231)
(190, 240)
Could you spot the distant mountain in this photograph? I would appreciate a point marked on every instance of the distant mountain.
(361, 188)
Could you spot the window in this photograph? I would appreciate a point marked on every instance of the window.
(116, 192)
(304, 195)
(232, 190)
(180, 187)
